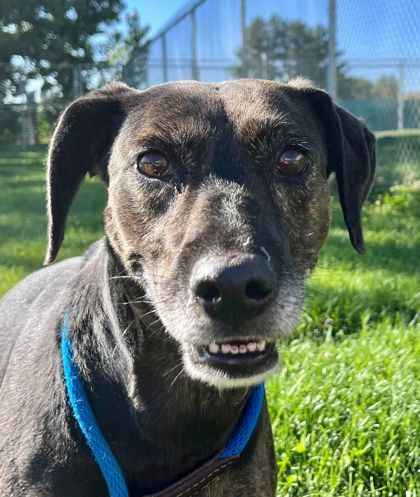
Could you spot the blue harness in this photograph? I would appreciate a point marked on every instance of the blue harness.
(103, 455)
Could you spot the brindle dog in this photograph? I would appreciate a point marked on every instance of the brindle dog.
(218, 204)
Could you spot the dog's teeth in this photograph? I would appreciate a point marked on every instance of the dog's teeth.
(213, 348)
(243, 348)
(225, 348)
(252, 347)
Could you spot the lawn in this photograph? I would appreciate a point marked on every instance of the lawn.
(345, 406)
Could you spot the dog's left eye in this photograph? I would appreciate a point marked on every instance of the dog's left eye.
(154, 165)
(292, 162)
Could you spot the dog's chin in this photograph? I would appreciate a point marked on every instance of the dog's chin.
(234, 366)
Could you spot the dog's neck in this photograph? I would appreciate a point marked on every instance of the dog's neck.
(161, 424)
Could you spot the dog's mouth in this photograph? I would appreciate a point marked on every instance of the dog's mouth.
(232, 362)
(236, 353)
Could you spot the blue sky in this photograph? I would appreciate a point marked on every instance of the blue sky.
(155, 12)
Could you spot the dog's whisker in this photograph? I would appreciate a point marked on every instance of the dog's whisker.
(177, 376)
(153, 311)
(150, 325)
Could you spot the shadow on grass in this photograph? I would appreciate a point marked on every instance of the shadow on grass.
(389, 255)
(338, 312)
(23, 220)
(347, 289)
(28, 198)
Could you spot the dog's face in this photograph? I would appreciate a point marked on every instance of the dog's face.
(218, 204)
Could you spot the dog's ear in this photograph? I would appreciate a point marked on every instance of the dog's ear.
(80, 145)
(351, 155)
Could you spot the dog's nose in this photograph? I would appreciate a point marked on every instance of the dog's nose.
(233, 288)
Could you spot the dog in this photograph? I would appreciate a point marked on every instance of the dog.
(218, 204)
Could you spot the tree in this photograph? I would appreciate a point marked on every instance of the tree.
(352, 88)
(50, 38)
(385, 88)
(279, 49)
(128, 54)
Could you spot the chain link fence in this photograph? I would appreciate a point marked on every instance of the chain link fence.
(366, 55)
(33, 101)
(367, 58)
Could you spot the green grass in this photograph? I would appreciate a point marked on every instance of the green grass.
(345, 406)
(345, 414)
(22, 215)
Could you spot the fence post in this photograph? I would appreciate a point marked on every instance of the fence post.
(77, 81)
(332, 63)
(21, 88)
(400, 96)
(194, 65)
(32, 119)
(164, 59)
(243, 39)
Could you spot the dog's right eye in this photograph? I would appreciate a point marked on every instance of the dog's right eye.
(154, 165)
(292, 162)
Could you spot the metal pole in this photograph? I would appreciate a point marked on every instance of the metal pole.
(400, 96)
(164, 59)
(243, 39)
(24, 115)
(332, 63)
(31, 116)
(77, 80)
(264, 65)
(194, 65)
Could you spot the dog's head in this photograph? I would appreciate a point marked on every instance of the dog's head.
(218, 204)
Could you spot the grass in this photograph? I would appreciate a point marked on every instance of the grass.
(22, 215)
(345, 407)
(345, 414)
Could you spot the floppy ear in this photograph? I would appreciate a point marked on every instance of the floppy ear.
(81, 141)
(355, 171)
(351, 155)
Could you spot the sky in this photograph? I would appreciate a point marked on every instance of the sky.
(155, 12)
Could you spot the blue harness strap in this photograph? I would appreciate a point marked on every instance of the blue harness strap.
(95, 439)
(85, 418)
(247, 423)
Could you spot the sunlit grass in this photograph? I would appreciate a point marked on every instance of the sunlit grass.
(23, 220)
(345, 406)
(346, 414)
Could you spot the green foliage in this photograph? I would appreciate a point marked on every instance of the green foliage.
(351, 88)
(279, 49)
(345, 406)
(129, 53)
(9, 126)
(383, 114)
(384, 89)
(47, 33)
(398, 153)
(46, 119)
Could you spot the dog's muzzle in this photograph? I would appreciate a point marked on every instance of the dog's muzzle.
(229, 291)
